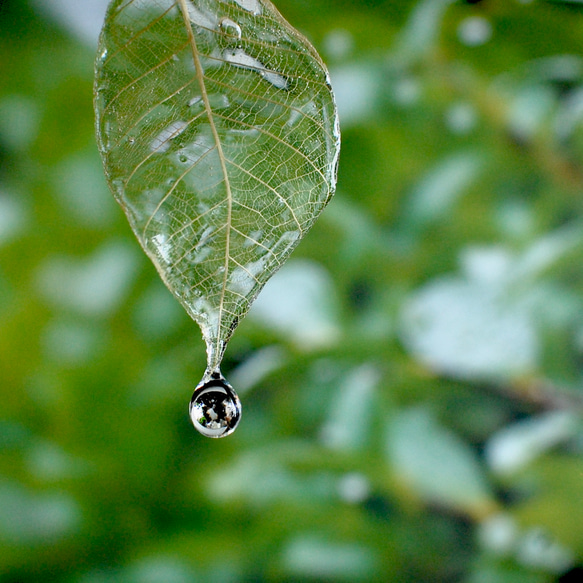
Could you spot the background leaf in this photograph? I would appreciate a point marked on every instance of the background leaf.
(219, 136)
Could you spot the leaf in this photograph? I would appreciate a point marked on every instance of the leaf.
(219, 136)
(433, 463)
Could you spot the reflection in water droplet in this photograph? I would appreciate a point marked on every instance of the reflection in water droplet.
(215, 409)
(230, 27)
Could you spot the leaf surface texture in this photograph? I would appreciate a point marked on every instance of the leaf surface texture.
(219, 135)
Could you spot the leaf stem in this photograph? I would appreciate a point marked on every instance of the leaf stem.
(215, 355)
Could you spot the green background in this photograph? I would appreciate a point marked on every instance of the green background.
(411, 380)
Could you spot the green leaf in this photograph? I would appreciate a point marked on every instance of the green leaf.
(432, 463)
(219, 136)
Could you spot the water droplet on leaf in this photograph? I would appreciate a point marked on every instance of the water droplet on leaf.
(215, 409)
(230, 27)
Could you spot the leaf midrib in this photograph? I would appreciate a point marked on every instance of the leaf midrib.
(207, 106)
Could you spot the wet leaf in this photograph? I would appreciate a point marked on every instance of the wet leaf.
(219, 136)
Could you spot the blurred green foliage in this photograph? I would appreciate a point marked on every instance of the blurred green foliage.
(411, 380)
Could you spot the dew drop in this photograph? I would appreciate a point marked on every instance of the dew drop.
(215, 408)
(230, 27)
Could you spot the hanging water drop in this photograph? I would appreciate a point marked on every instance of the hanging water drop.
(215, 409)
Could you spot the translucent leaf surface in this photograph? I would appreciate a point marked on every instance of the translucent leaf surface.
(219, 135)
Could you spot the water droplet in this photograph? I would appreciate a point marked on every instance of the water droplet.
(215, 409)
(183, 159)
(230, 27)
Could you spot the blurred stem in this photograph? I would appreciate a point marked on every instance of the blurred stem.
(546, 155)
(495, 108)
(543, 394)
